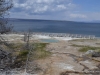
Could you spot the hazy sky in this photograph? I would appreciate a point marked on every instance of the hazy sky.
(73, 10)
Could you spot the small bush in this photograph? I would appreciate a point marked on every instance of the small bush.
(21, 59)
(24, 53)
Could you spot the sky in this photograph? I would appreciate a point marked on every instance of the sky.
(69, 10)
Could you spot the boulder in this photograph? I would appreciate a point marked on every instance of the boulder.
(96, 54)
(89, 52)
(93, 53)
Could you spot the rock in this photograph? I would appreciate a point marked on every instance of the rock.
(93, 53)
(96, 54)
(89, 52)
(89, 64)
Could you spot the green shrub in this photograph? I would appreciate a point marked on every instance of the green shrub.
(86, 48)
(40, 52)
(23, 53)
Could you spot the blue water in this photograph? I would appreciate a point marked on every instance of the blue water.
(49, 40)
(57, 26)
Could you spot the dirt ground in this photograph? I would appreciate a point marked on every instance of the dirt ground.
(67, 60)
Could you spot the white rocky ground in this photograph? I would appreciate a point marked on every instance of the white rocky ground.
(64, 56)
(13, 37)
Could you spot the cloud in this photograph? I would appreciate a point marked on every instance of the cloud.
(92, 16)
(42, 6)
(78, 16)
(95, 15)
(51, 9)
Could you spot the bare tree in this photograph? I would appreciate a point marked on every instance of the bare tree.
(27, 36)
(5, 5)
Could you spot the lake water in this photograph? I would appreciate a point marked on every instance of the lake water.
(56, 26)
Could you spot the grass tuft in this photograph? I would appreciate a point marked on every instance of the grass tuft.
(84, 48)
(40, 51)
